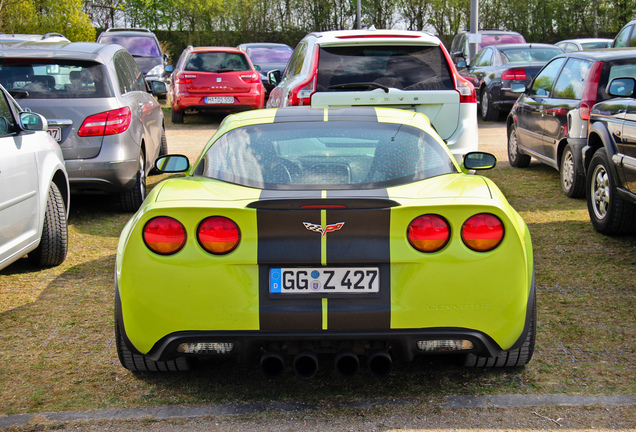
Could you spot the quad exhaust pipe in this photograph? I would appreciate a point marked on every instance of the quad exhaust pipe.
(272, 364)
(347, 364)
(305, 364)
(380, 363)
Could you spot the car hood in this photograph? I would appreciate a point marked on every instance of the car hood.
(449, 186)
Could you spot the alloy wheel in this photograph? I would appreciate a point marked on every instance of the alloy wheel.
(600, 192)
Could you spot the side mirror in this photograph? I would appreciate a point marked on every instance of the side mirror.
(158, 88)
(172, 164)
(462, 64)
(621, 87)
(518, 87)
(479, 161)
(30, 121)
(168, 69)
(273, 77)
(257, 67)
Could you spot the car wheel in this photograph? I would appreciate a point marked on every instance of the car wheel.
(177, 117)
(609, 213)
(516, 158)
(511, 358)
(54, 241)
(132, 199)
(488, 112)
(140, 363)
(572, 183)
(163, 150)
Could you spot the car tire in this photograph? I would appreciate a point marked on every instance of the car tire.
(163, 150)
(516, 159)
(140, 363)
(131, 199)
(511, 358)
(177, 117)
(486, 109)
(572, 183)
(609, 213)
(53, 245)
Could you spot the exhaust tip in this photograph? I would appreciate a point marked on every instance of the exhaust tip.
(347, 364)
(305, 364)
(380, 363)
(272, 364)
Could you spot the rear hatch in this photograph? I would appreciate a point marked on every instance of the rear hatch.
(217, 72)
(412, 77)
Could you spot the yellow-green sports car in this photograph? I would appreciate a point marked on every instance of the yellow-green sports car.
(302, 232)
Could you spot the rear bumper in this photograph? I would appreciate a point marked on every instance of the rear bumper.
(242, 102)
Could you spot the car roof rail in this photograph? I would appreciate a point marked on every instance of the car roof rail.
(139, 29)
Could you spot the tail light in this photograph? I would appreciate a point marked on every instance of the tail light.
(106, 123)
(590, 92)
(301, 94)
(250, 78)
(184, 78)
(466, 90)
(428, 233)
(483, 232)
(514, 74)
(164, 235)
(218, 235)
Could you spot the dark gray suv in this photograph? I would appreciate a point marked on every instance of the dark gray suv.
(98, 108)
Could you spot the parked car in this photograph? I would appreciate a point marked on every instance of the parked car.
(385, 68)
(570, 45)
(267, 57)
(214, 79)
(495, 68)
(549, 121)
(347, 232)
(145, 49)
(459, 46)
(627, 36)
(98, 108)
(34, 192)
(610, 159)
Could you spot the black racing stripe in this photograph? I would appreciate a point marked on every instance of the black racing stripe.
(284, 241)
(352, 114)
(297, 114)
(363, 240)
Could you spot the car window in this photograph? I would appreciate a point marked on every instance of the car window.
(402, 67)
(529, 55)
(296, 61)
(54, 79)
(571, 80)
(542, 84)
(345, 155)
(7, 123)
(216, 62)
(125, 77)
(263, 55)
(485, 59)
(615, 69)
(143, 46)
(622, 39)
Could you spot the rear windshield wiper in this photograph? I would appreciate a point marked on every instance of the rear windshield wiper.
(367, 85)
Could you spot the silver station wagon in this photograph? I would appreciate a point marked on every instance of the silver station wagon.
(98, 108)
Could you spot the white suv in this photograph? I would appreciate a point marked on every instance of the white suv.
(387, 68)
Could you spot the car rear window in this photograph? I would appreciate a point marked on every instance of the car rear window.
(402, 67)
(316, 155)
(138, 46)
(216, 62)
(54, 80)
(499, 39)
(530, 55)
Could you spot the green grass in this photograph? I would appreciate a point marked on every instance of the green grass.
(57, 349)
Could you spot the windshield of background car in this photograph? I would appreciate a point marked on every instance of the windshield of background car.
(216, 62)
(142, 46)
(530, 55)
(596, 45)
(401, 67)
(317, 155)
(264, 55)
(61, 79)
(487, 40)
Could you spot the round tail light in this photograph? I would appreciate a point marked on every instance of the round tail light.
(428, 233)
(483, 232)
(164, 235)
(218, 235)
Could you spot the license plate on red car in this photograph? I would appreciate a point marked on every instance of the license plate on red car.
(324, 280)
(219, 100)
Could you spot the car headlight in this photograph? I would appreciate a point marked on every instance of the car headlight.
(155, 71)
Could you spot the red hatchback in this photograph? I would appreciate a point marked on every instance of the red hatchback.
(217, 79)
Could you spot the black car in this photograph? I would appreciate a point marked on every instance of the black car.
(627, 36)
(549, 121)
(495, 68)
(610, 160)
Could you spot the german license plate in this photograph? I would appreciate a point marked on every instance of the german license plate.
(56, 133)
(219, 100)
(324, 280)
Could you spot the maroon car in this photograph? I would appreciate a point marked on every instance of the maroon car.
(217, 79)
